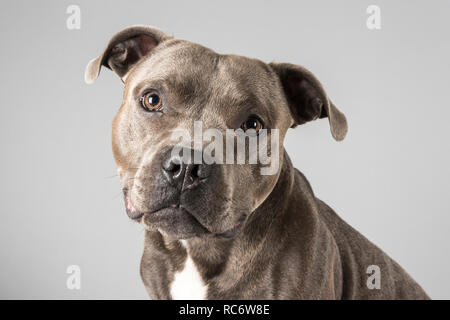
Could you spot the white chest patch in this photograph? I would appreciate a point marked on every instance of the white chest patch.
(188, 284)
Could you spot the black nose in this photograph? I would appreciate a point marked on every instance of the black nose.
(184, 175)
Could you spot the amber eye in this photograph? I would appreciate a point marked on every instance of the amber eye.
(252, 123)
(151, 101)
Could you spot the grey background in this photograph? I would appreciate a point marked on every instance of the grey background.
(389, 179)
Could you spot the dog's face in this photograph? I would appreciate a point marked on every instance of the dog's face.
(168, 85)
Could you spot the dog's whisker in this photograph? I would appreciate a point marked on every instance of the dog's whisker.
(117, 195)
(110, 177)
(132, 168)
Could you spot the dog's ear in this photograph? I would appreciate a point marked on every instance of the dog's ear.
(307, 99)
(124, 50)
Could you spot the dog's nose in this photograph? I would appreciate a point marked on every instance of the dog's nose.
(184, 175)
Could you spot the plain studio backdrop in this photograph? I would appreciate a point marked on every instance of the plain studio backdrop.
(61, 202)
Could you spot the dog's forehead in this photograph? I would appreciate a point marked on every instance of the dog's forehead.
(191, 68)
(177, 57)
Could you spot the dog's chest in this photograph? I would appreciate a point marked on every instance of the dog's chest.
(188, 284)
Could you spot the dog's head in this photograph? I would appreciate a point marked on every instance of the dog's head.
(168, 85)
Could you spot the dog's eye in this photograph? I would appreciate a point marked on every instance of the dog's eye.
(252, 123)
(151, 101)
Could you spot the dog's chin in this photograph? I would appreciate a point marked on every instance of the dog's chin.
(178, 223)
(175, 222)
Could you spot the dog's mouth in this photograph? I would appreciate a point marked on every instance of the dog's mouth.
(177, 220)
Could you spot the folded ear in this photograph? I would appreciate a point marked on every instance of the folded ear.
(124, 50)
(307, 98)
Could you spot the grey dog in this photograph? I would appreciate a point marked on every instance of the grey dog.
(220, 231)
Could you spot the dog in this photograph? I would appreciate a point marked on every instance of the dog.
(220, 231)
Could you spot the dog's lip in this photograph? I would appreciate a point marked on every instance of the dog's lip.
(137, 215)
(233, 230)
(132, 212)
